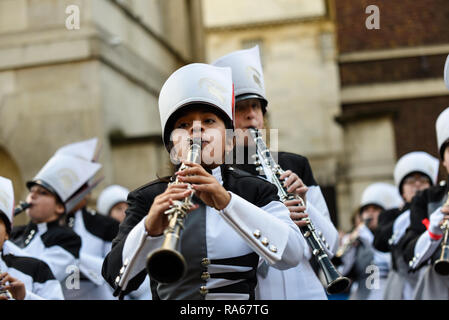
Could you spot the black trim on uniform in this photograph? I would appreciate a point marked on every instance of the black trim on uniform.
(35, 268)
(103, 227)
(66, 238)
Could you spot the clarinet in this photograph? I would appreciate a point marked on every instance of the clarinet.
(441, 266)
(166, 264)
(335, 282)
(21, 207)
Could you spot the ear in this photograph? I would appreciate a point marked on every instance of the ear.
(60, 209)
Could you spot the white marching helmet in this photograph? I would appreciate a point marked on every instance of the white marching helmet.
(417, 161)
(382, 194)
(442, 128)
(109, 197)
(83, 149)
(196, 83)
(247, 73)
(64, 175)
(7, 199)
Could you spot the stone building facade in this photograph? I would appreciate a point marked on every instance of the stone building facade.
(60, 84)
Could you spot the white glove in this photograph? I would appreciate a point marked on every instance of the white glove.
(435, 218)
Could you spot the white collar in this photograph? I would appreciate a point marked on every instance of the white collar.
(42, 227)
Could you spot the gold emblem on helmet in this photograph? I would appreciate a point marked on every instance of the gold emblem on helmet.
(214, 88)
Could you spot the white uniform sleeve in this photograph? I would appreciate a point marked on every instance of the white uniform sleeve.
(59, 260)
(90, 266)
(315, 196)
(426, 246)
(268, 230)
(136, 248)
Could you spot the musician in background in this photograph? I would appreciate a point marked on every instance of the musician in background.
(236, 219)
(415, 171)
(361, 262)
(50, 193)
(251, 106)
(25, 278)
(422, 242)
(96, 231)
(112, 202)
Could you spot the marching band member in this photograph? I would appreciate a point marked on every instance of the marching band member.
(251, 106)
(427, 213)
(413, 172)
(367, 266)
(26, 278)
(112, 202)
(96, 231)
(51, 193)
(237, 218)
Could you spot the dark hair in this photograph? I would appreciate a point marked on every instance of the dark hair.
(5, 220)
(409, 174)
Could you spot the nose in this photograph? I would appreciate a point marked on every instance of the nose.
(197, 127)
(250, 114)
(31, 196)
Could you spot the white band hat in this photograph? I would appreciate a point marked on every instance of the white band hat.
(247, 73)
(417, 161)
(63, 175)
(194, 84)
(7, 200)
(109, 197)
(382, 194)
(83, 149)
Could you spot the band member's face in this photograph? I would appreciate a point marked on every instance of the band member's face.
(446, 158)
(370, 215)
(118, 211)
(44, 206)
(3, 234)
(412, 184)
(248, 113)
(212, 130)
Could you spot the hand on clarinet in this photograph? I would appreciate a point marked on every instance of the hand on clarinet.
(294, 184)
(206, 187)
(157, 220)
(13, 285)
(297, 212)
